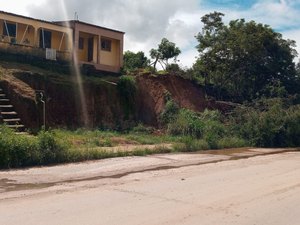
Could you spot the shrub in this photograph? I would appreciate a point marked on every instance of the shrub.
(268, 123)
(17, 150)
(207, 125)
(185, 123)
(170, 112)
(51, 148)
(292, 124)
(213, 131)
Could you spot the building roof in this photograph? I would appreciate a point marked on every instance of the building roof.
(89, 24)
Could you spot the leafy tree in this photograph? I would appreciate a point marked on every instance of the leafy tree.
(134, 61)
(166, 50)
(245, 60)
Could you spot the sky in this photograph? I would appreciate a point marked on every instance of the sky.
(146, 22)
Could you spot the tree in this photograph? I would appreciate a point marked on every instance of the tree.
(166, 50)
(134, 61)
(242, 59)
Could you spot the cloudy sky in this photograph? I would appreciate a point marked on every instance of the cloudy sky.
(146, 22)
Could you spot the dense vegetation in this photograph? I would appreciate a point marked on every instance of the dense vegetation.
(245, 60)
(267, 123)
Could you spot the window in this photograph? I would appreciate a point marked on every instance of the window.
(106, 45)
(81, 43)
(10, 29)
(45, 38)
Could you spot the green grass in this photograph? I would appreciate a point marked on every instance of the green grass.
(61, 146)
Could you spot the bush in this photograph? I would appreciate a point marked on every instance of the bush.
(170, 111)
(268, 123)
(186, 122)
(52, 150)
(207, 125)
(213, 131)
(17, 150)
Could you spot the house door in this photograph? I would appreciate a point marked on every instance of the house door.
(90, 49)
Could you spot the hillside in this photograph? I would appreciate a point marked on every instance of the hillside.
(104, 103)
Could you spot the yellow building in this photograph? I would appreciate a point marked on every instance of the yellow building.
(65, 40)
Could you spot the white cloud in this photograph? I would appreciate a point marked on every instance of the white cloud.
(21, 7)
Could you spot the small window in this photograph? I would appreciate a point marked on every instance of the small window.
(10, 29)
(81, 43)
(106, 45)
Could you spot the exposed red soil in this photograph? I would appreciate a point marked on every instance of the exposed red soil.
(153, 91)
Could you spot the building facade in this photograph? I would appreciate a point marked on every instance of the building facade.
(73, 40)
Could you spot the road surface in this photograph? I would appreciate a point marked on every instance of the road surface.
(253, 187)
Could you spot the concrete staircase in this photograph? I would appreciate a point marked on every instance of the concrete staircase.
(7, 114)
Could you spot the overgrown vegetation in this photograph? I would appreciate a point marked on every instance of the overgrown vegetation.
(268, 123)
(207, 128)
(127, 89)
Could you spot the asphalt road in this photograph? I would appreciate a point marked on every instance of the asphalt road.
(212, 188)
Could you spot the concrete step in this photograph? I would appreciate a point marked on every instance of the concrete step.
(6, 108)
(16, 120)
(12, 121)
(9, 115)
(22, 133)
(17, 127)
(3, 100)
